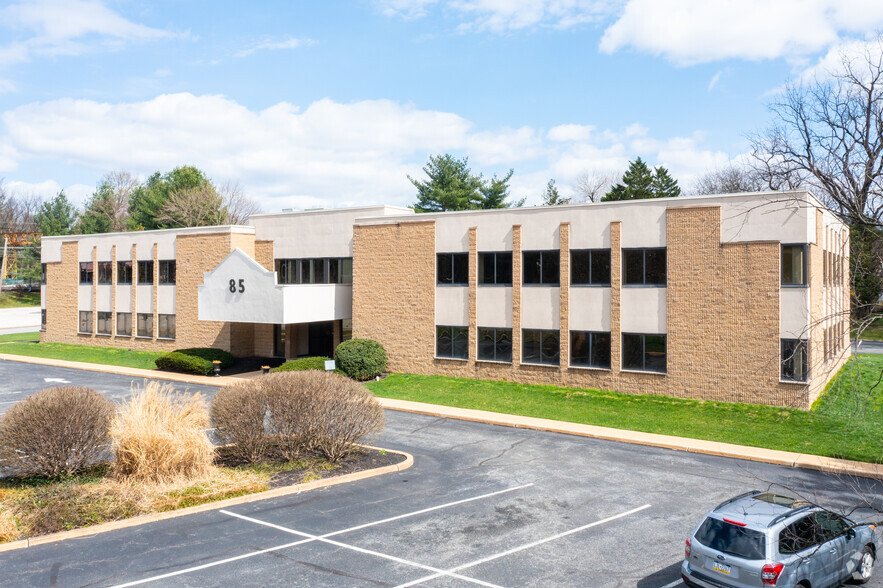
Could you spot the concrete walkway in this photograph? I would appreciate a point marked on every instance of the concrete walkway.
(787, 458)
(19, 320)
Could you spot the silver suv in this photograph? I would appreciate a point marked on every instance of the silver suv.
(761, 539)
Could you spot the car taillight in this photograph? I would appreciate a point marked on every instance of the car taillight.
(770, 573)
(687, 549)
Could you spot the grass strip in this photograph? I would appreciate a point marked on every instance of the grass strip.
(13, 337)
(15, 299)
(84, 353)
(847, 421)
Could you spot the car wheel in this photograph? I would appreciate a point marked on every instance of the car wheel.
(865, 566)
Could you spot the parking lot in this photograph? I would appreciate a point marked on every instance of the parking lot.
(483, 505)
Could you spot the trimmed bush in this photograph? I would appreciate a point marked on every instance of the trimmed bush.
(361, 359)
(294, 412)
(305, 363)
(211, 354)
(59, 431)
(159, 435)
(180, 362)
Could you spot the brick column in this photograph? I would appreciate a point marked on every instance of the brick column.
(615, 296)
(564, 297)
(516, 295)
(473, 295)
(156, 290)
(94, 291)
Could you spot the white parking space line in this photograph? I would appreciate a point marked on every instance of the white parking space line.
(438, 572)
(303, 541)
(526, 546)
(677, 582)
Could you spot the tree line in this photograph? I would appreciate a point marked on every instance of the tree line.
(182, 197)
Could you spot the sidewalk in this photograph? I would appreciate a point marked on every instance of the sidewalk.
(19, 320)
(785, 458)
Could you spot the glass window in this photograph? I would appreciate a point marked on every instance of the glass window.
(145, 325)
(495, 268)
(452, 342)
(43, 319)
(794, 265)
(105, 323)
(590, 267)
(124, 272)
(167, 272)
(85, 321)
(453, 268)
(540, 346)
(588, 349)
(799, 535)
(42, 273)
(145, 272)
(124, 324)
(320, 275)
(333, 271)
(346, 270)
(732, 539)
(86, 272)
(794, 360)
(644, 352)
(346, 329)
(644, 267)
(495, 344)
(166, 326)
(105, 272)
(541, 267)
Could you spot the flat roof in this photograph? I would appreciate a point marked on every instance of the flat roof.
(242, 229)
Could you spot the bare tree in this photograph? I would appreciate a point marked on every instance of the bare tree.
(17, 211)
(729, 180)
(590, 186)
(829, 136)
(195, 207)
(238, 206)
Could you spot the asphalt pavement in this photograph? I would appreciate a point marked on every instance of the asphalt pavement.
(483, 505)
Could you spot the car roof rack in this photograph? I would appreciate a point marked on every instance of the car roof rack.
(785, 515)
(735, 498)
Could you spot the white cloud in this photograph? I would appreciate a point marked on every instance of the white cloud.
(687, 32)
(76, 193)
(714, 80)
(855, 51)
(504, 15)
(66, 27)
(270, 45)
(329, 154)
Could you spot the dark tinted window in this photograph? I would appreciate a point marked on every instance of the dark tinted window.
(167, 272)
(453, 268)
(794, 265)
(86, 273)
(590, 267)
(794, 360)
(145, 272)
(541, 267)
(644, 352)
(320, 276)
(644, 267)
(105, 272)
(732, 539)
(539, 346)
(495, 344)
(590, 349)
(124, 272)
(452, 342)
(799, 535)
(495, 268)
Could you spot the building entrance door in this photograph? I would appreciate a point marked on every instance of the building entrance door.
(321, 338)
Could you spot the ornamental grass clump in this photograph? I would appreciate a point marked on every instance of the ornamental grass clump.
(56, 432)
(159, 435)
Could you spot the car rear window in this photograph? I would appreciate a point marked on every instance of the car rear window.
(732, 539)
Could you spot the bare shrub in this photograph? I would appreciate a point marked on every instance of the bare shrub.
(55, 432)
(238, 413)
(159, 435)
(294, 412)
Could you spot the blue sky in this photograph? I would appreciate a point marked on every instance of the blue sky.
(335, 103)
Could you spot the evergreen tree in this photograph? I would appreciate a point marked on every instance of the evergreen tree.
(452, 186)
(56, 216)
(147, 201)
(665, 186)
(551, 197)
(639, 182)
(98, 215)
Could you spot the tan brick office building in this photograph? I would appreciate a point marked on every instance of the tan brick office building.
(737, 298)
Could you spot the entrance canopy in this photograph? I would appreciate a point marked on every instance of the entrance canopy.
(240, 290)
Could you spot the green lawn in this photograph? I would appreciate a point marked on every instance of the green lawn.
(835, 427)
(85, 353)
(873, 332)
(15, 299)
(32, 336)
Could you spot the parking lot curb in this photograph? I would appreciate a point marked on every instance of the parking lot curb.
(758, 454)
(227, 503)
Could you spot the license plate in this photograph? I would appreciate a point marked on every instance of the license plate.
(721, 567)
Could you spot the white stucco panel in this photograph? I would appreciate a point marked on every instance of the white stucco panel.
(494, 306)
(590, 309)
(104, 297)
(165, 299)
(452, 306)
(794, 313)
(84, 297)
(643, 310)
(540, 307)
(144, 300)
(124, 299)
